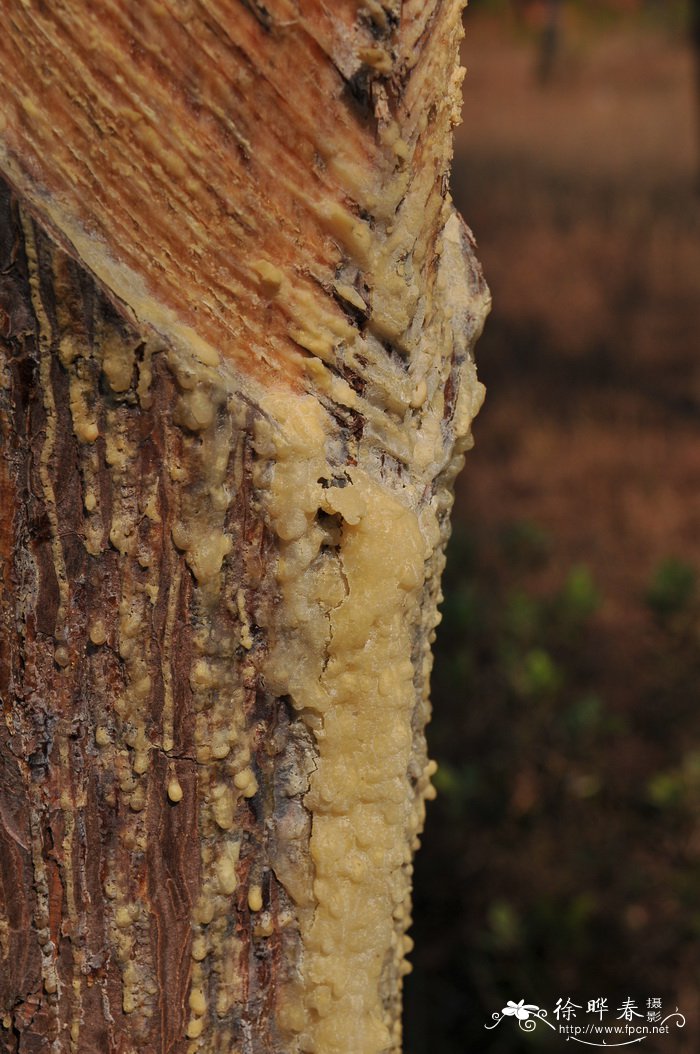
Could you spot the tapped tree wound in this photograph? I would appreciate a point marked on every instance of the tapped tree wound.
(238, 400)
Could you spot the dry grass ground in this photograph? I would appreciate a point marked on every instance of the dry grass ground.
(582, 197)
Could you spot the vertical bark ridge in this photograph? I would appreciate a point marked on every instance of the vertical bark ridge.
(135, 713)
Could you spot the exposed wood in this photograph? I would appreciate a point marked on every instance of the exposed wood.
(237, 312)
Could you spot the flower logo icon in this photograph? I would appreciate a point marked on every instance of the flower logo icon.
(521, 1010)
(526, 1014)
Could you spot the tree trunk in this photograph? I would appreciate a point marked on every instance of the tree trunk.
(695, 44)
(236, 312)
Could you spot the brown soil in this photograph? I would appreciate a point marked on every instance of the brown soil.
(582, 198)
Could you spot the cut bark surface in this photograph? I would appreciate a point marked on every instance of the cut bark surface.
(237, 311)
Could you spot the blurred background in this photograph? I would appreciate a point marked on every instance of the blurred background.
(562, 857)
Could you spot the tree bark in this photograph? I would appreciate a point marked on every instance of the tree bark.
(237, 312)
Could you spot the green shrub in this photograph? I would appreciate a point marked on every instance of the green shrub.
(672, 588)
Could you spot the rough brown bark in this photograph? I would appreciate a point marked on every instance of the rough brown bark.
(236, 314)
(103, 772)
